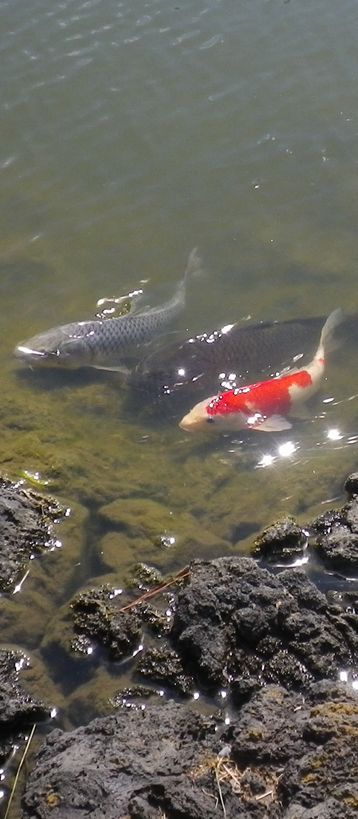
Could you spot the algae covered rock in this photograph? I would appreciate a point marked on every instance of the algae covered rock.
(283, 540)
(337, 540)
(315, 740)
(18, 710)
(95, 616)
(163, 665)
(26, 520)
(351, 484)
(339, 550)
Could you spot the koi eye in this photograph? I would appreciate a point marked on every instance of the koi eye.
(209, 420)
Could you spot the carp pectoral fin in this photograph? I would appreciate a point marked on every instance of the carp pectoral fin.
(274, 423)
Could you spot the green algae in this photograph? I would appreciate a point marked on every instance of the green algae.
(164, 536)
(351, 801)
(22, 620)
(94, 697)
(309, 779)
(341, 717)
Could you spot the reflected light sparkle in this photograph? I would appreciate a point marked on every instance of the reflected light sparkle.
(334, 435)
(266, 460)
(286, 449)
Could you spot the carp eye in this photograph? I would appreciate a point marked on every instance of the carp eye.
(210, 420)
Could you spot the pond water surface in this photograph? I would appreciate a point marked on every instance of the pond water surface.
(131, 132)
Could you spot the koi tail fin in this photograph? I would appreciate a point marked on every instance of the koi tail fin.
(328, 342)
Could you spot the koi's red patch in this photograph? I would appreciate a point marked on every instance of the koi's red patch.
(270, 397)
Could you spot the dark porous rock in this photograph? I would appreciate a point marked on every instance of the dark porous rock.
(134, 696)
(323, 783)
(242, 689)
(311, 743)
(237, 624)
(137, 763)
(163, 665)
(344, 600)
(351, 484)
(315, 740)
(325, 523)
(26, 520)
(17, 709)
(350, 514)
(283, 755)
(283, 540)
(157, 620)
(144, 577)
(339, 550)
(96, 616)
(337, 540)
(269, 728)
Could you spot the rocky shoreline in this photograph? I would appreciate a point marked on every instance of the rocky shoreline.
(244, 672)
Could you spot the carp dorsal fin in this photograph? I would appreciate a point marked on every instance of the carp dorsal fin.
(111, 307)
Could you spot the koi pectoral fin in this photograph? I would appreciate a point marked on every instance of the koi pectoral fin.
(274, 423)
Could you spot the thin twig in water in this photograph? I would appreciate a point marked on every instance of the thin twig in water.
(222, 803)
(22, 760)
(152, 592)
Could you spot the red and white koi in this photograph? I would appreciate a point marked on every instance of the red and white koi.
(264, 406)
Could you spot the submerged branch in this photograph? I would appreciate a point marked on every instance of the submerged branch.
(22, 760)
(153, 592)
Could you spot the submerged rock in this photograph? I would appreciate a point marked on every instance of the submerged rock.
(283, 540)
(95, 617)
(337, 540)
(339, 550)
(163, 665)
(18, 710)
(351, 484)
(26, 519)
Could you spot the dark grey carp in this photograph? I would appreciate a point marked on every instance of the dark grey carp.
(103, 343)
(179, 374)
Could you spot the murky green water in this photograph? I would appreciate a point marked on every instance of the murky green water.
(130, 132)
